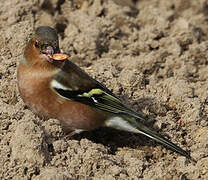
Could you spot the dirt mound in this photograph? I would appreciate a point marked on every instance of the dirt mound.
(152, 54)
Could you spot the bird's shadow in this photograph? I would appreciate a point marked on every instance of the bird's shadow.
(115, 139)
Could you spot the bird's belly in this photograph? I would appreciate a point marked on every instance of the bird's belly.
(44, 102)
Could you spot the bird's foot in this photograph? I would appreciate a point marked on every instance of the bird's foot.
(72, 133)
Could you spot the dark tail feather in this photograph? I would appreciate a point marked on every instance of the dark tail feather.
(159, 138)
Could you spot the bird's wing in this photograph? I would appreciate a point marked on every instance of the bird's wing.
(73, 83)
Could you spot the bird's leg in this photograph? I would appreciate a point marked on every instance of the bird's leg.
(69, 135)
(72, 133)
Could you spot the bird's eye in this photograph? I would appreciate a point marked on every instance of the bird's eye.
(36, 44)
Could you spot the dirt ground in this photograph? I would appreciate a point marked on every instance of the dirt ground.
(152, 54)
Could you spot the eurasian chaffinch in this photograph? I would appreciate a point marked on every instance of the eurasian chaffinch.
(61, 90)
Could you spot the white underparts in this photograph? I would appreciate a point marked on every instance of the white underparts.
(120, 124)
(78, 131)
(55, 84)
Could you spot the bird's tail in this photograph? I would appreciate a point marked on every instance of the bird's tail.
(131, 125)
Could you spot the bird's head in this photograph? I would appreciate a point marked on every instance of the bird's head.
(42, 46)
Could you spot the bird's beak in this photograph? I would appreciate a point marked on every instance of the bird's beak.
(48, 53)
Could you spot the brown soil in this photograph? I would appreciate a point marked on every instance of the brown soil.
(152, 54)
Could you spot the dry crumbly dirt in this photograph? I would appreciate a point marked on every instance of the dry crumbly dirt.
(152, 54)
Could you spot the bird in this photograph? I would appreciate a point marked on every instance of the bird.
(62, 90)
